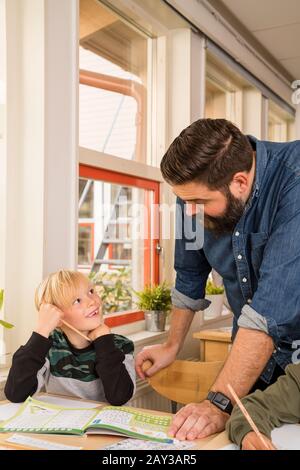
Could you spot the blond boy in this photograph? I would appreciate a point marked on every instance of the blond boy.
(56, 359)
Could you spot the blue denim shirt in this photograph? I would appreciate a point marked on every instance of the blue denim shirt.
(260, 260)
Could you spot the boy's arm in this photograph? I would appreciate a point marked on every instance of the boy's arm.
(27, 361)
(115, 369)
(278, 404)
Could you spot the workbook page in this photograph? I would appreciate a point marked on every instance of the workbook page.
(35, 416)
(132, 423)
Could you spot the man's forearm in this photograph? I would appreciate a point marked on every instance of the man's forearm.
(248, 357)
(180, 324)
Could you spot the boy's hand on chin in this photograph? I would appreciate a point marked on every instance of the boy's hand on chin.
(99, 331)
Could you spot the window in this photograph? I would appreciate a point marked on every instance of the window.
(230, 96)
(113, 84)
(281, 125)
(223, 96)
(118, 234)
(117, 221)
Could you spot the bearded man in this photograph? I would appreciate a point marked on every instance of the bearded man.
(250, 194)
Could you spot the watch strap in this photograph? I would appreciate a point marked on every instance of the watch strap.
(221, 401)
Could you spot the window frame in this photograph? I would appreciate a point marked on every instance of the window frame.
(111, 176)
(285, 120)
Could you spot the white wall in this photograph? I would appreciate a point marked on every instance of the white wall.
(41, 152)
(3, 105)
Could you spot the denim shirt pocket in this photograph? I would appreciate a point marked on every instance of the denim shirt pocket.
(258, 242)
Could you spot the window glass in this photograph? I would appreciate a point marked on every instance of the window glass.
(225, 92)
(281, 125)
(115, 242)
(113, 84)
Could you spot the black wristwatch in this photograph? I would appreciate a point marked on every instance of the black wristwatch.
(221, 401)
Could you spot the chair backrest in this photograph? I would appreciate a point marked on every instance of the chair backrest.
(184, 381)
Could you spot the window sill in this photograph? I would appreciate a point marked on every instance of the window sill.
(211, 321)
(116, 319)
(143, 337)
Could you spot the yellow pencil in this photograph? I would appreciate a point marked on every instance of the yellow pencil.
(76, 331)
(247, 416)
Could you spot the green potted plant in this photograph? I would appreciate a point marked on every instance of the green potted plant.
(156, 303)
(216, 296)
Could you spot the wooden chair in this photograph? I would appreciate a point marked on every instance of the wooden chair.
(184, 381)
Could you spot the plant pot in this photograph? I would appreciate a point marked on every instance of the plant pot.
(155, 320)
(215, 308)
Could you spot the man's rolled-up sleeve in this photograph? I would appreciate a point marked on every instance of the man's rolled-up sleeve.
(192, 270)
(275, 306)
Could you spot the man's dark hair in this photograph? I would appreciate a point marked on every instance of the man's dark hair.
(210, 151)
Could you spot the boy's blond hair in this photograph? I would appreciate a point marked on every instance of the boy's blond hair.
(59, 288)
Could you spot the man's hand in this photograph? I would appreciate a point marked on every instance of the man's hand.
(161, 355)
(49, 318)
(198, 420)
(252, 442)
(99, 331)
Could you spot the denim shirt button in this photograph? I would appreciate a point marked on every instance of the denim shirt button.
(237, 233)
(244, 279)
(249, 301)
(240, 257)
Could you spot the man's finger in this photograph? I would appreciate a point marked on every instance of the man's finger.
(152, 370)
(140, 372)
(200, 424)
(142, 362)
(200, 431)
(187, 426)
(179, 419)
(138, 366)
(176, 424)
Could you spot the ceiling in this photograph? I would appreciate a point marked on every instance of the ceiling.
(273, 27)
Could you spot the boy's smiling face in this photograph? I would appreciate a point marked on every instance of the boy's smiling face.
(85, 311)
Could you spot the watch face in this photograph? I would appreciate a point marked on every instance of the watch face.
(221, 400)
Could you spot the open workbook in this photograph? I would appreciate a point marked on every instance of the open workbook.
(36, 416)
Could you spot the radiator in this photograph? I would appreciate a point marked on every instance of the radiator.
(146, 397)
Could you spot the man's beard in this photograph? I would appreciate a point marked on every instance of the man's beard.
(226, 222)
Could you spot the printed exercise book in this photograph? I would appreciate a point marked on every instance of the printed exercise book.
(36, 416)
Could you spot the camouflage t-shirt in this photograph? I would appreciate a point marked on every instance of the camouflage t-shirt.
(103, 371)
